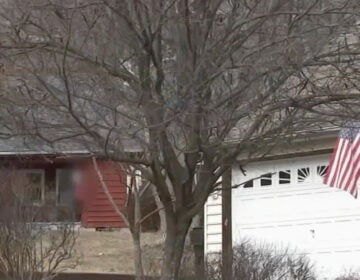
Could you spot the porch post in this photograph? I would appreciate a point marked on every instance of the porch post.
(227, 252)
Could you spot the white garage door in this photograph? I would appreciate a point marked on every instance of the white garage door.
(291, 207)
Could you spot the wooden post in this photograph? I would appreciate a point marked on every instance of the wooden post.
(197, 240)
(227, 252)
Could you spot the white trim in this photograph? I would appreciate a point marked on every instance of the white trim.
(213, 211)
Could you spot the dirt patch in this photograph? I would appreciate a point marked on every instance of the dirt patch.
(101, 251)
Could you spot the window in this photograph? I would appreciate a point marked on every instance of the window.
(36, 188)
(69, 208)
(303, 174)
(64, 187)
(249, 184)
(266, 180)
(307, 172)
(321, 170)
(31, 185)
(284, 177)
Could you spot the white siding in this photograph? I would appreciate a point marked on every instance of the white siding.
(213, 224)
(301, 213)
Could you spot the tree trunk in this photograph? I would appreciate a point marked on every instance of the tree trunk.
(173, 250)
(139, 272)
(160, 205)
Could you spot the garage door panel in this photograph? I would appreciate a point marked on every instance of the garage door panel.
(338, 231)
(295, 208)
(286, 236)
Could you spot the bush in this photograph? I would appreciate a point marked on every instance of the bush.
(30, 250)
(349, 276)
(253, 261)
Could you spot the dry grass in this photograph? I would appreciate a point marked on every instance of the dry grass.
(101, 251)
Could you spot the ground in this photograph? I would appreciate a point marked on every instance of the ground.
(101, 251)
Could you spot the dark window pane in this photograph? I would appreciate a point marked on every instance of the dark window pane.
(69, 207)
(34, 186)
(303, 174)
(266, 180)
(249, 184)
(284, 177)
(65, 187)
(321, 170)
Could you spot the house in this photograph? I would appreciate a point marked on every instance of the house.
(63, 183)
(289, 206)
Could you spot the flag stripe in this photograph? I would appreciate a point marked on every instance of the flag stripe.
(353, 178)
(337, 164)
(345, 164)
(333, 163)
(344, 167)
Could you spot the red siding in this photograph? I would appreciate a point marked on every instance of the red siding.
(97, 210)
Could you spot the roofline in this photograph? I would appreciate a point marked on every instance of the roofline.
(326, 133)
(34, 153)
(300, 136)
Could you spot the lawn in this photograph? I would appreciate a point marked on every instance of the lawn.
(103, 251)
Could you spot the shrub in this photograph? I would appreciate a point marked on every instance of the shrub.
(252, 261)
(349, 276)
(30, 250)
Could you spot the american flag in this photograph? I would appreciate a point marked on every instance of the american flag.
(344, 168)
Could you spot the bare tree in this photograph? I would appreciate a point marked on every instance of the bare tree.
(187, 85)
(30, 250)
(131, 212)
